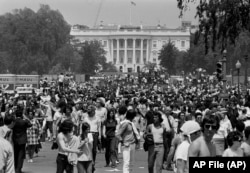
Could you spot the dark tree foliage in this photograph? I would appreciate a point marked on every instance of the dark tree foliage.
(93, 56)
(167, 57)
(31, 40)
(220, 21)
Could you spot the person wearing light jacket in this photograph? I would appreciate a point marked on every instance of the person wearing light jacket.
(128, 135)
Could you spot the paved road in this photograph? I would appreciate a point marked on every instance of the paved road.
(46, 162)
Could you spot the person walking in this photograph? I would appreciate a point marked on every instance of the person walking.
(128, 135)
(95, 129)
(64, 138)
(156, 151)
(19, 138)
(84, 164)
(33, 134)
(6, 156)
(109, 128)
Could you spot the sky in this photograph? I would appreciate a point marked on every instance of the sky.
(92, 12)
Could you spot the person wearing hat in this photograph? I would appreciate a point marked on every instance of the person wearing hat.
(190, 131)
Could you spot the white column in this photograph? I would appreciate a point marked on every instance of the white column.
(134, 60)
(142, 51)
(117, 51)
(125, 51)
(112, 51)
(147, 54)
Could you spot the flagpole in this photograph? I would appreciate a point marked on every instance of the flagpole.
(130, 14)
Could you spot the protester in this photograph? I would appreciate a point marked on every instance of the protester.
(64, 137)
(19, 138)
(33, 134)
(6, 130)
(156, 151)
(234, 140)
(245, 146)
(190, 132)
(109, 128)
(203, 145)
(95, 129)
(126, 135)
(85, 159)
(6, 156)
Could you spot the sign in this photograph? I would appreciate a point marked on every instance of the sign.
(244, 90)
(224, 95)
(9, 82)
(7, 87)
(27, 79)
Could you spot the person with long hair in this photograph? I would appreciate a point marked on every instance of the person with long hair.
(84, 164)
(64, 137)
(234, 140)
(156, 151)
(109, 128)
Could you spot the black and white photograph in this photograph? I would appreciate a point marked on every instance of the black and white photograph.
(126, 86)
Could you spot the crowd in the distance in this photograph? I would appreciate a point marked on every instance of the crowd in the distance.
(82, 120)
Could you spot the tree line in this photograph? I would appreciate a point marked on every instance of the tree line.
(39, 43)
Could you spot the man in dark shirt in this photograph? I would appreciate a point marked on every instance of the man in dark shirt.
(20, 139)
(149, 115)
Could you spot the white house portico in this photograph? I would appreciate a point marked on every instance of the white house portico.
(130, 47)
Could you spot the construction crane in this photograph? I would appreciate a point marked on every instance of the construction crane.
(98, 12)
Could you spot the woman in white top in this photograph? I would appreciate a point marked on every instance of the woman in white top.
(84, 164)
(64, 137)
(219, 138)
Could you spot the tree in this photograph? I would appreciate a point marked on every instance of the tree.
(109, 67)
(220, 21)
(57, 69)
(32, 39)
(65, 56)
(93, 55)
(167, 57)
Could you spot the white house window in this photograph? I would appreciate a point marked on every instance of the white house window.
(154, 44)
(154, 53)
(182, 43)
(105, 43)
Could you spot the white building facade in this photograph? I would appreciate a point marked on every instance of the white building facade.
(129, 48)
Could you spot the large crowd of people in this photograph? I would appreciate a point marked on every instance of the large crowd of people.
(81, 120)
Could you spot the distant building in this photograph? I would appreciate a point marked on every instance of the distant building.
(130, 47)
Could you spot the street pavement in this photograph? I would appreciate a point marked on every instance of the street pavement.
(45, 162)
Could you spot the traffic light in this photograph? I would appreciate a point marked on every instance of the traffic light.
(219, 71)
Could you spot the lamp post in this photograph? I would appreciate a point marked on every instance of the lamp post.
(238, 66)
